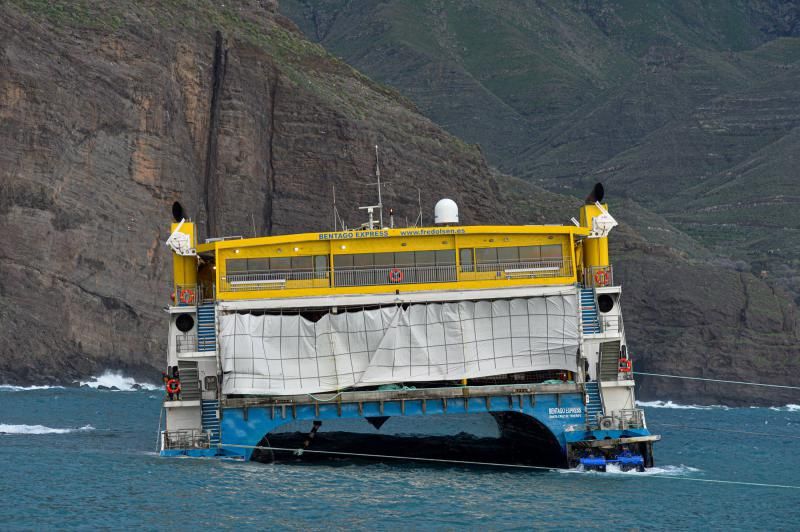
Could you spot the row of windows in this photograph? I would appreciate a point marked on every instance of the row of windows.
(511, 254)
(401, 259)
(277, 264)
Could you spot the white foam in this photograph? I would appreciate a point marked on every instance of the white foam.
(788, 408)
(12, 388)
(670, 404)
(614, 469)
(113, 379)
(39, 429)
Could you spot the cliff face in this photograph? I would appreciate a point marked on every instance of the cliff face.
(109, 112)
(110, 116)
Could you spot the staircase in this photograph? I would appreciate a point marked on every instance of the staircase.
(206, 328)
(210, 422)
(190, 380)
(609, 361)
(589, 319)
(595, 404)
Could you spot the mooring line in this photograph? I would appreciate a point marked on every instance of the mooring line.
(776, 435)
(716, 380)
(493, 464)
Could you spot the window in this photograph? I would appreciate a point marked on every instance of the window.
(486, 255)
(530, 253)
(465, 257)
(551, 253)
(508, 254)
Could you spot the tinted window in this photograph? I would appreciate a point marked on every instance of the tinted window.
(425, 258)
(446, 257)
(280, 263)
(486, 255)
(552, 252)
(301, 263)
(529, 253)
(508, 254)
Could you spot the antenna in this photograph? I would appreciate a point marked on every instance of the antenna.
(253, 219)
(418, 221)
(378, 175)
(334, 207)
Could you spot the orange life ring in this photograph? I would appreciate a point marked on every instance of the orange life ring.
(173, 386)
(625, 365)
(187, 296)
(601, 278)
(395, 275)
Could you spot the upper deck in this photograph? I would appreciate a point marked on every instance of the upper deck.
(389, 260)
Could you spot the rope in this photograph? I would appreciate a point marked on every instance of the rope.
(717, 380)
(770, 434)
(492, 464)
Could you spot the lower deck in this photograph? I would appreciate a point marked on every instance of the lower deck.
(549, 423)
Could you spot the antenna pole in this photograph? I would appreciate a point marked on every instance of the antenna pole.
(378, 175)
(419, 202)
(334, 207)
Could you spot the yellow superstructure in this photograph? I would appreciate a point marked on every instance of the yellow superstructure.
(385, 261)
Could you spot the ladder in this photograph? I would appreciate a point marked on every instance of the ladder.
(609, 361)
(210, 420)
(594, 407)
(206, 327)
(589, 317)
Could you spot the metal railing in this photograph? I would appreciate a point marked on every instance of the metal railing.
(598, 276)
(630, 418)
(541, 269)
(611, 324)
(186, 439)
(275, 280)
(185, 343)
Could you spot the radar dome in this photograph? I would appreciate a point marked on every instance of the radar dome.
(445, 212)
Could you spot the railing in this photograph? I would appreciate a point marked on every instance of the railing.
(395, 275)
(275, 280)
(185, 295)
(598, 276)
(542, 269)
(186, 439)
(190, 343)
(630, 418)
(611, 324)
(185, 343)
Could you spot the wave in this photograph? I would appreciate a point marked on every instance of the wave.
(670, 404)
(116, 380)
(12, 388)
(39, 429)
(614, 469)
(788, 408)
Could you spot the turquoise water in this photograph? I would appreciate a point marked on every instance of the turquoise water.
(101, 471)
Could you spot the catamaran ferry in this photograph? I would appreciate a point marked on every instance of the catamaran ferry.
(522, 323)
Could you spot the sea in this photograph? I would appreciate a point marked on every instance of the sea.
(84, 458)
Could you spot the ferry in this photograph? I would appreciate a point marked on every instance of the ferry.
(522, 323)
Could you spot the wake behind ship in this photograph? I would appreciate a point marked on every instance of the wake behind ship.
(523, 323)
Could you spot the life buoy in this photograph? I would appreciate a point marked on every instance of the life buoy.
(173, 386)
(395, 275)
(187, 296)
(625, 365)
(601, 278)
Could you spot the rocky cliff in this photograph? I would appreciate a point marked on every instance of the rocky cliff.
(111, 111)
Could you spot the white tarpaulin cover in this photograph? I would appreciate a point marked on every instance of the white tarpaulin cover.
(288, 354)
